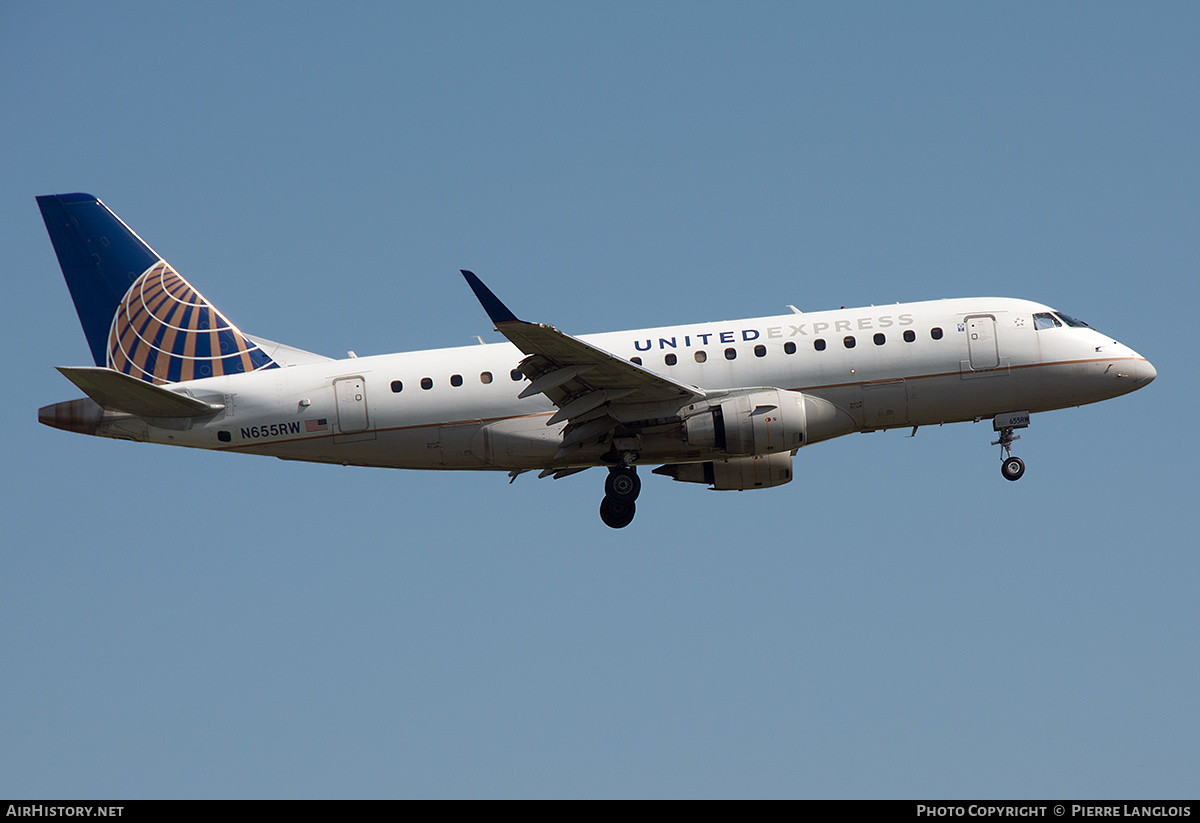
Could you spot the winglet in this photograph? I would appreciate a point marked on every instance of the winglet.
(497, 311)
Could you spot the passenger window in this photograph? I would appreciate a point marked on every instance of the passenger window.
(1045, 320)
(760, 350)
(671, 360)
(701, 357)
(848, 341)
(456, 380)
(485, 377)
(935, 333)
(427, 383)
(637, 360)
(819, 344)
(909, 335)
(731, 354)
(516, 375)
(880, 339)
(397, 386)
(789, 347)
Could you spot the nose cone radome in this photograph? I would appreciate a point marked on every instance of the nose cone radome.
(1144, 372)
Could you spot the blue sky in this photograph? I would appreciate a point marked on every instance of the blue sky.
(899, 621)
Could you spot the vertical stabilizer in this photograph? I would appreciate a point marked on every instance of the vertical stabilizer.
(139, 315)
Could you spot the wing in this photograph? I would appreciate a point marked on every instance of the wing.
(583, 381)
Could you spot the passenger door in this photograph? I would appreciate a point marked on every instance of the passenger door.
(981, 342)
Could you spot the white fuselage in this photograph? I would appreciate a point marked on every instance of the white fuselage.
(883, 366)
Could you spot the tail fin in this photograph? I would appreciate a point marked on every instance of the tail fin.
(140, 317)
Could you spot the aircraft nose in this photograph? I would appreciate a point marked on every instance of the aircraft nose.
(1145, 372)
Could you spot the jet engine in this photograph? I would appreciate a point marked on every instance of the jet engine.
(764, 421)
(756, 422)
(736, 473)
(760, 430)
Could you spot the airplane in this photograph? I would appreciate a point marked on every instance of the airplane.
(723, 404)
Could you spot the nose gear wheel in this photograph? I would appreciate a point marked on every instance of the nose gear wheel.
(1011, 467)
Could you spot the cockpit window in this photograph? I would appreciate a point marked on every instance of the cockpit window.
(1071, 321)
(1045, 320)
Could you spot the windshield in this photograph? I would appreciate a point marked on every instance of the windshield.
(1071, 321)
(1045, 320)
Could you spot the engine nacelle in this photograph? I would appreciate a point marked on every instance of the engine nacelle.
(756, 422)
(760, 429)
(765, 421)
(735, 473)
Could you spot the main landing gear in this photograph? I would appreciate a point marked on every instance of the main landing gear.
(1011, 467)
(621, 489)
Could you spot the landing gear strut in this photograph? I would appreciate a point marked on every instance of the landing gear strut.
(1011, 467)
(621, 489)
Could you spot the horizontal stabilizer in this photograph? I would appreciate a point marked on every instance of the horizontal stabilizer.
(119, 392)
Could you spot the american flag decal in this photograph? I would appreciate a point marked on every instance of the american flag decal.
(317, 425)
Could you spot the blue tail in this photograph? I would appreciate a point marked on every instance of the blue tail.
(140, 317)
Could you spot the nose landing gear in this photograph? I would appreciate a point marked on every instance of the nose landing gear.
(621, 489)
(1011, 467)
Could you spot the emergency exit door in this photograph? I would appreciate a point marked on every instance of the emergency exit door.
(351, 393)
